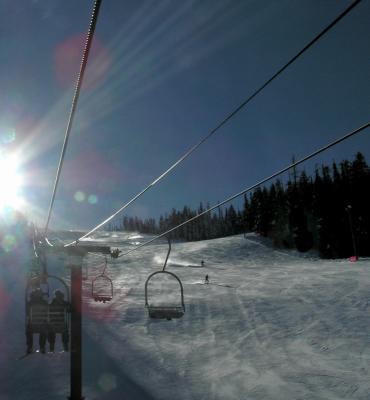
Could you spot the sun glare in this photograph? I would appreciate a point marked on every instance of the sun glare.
(10, 183)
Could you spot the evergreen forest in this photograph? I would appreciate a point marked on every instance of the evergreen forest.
(327, 212)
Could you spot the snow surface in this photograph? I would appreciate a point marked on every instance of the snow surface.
(270, 325)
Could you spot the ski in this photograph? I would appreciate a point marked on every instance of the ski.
(23, 356)
(55, 353)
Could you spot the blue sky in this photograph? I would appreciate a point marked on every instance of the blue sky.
(161, 75)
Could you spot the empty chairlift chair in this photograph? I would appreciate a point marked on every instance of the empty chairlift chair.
(102, 287)
(165, 311)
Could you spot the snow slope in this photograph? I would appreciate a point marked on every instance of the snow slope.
(270, 325)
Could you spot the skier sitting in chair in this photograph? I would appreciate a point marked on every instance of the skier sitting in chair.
(37, 316)
(58, 309)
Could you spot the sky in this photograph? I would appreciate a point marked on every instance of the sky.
(161, 75)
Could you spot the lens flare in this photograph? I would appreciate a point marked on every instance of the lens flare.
(107, 382)
(92, 199)
(68, 57)
(10, 183)
(8, 243)
(79, 196)
(7, 137)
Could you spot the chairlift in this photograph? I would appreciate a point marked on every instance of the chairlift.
(165, 311)
(102, 287)
(43, 317)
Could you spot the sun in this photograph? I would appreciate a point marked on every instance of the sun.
(10, 183)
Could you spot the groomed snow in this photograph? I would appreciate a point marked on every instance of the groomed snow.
(270, 325)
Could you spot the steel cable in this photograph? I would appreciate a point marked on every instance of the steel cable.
(89, 38)
(248, 189)
(222, 123)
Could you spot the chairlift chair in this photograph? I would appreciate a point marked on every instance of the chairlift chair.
(102, 287)
(165, 311)
(43, 318)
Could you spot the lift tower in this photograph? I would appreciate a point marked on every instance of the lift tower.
(76, 253)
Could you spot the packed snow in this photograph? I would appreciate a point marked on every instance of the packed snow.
(269, 325)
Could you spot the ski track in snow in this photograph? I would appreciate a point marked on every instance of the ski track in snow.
(270, 325)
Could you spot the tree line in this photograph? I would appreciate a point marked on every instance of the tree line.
(328, 211)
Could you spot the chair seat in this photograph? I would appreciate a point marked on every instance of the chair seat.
(103, 298)
(163, 312)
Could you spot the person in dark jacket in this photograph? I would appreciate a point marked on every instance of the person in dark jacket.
(58, 310)
(37, 319)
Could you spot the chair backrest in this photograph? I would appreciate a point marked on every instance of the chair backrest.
(58, 318)
(38, 317)
(44, 318)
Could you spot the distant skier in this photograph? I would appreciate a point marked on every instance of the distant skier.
(202, 263)
(57, 314)
(206, 279)
(115, 253)
(37, 312)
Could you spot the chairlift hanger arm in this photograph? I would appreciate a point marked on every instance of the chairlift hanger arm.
(168, 253)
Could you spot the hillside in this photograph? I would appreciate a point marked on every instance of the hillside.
(270, 325)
